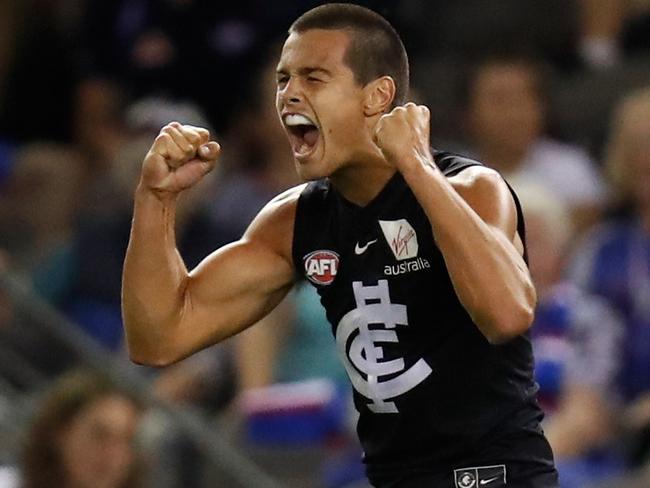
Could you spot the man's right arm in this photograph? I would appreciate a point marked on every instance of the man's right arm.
(169, 313)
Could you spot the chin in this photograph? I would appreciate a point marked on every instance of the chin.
(312, 170)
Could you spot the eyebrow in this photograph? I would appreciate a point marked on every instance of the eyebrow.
(307, 70)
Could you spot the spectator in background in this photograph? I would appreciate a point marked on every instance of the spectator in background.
(576, 339)
(38, 209)
(83, 436)
(614, 260)
(505, 107)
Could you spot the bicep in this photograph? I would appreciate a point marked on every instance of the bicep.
(240, 283)
(230, 290)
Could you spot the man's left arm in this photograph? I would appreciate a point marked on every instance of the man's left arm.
(474, 222)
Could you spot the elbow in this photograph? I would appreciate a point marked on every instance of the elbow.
(151, 353)
(149, 346)
(151, 360)
(506, 325)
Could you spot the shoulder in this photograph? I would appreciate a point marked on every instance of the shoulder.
(487, 193)
(473, 180)
(280, 210)
(479, 182)
(477, 174)
(273, 225)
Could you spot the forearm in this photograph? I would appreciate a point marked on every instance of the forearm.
(488, 274)
(154, 276)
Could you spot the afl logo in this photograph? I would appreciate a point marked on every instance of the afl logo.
(321, 266)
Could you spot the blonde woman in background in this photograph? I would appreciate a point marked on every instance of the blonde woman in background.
(614, 261)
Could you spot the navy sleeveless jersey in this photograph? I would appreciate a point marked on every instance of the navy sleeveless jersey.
(430, 390)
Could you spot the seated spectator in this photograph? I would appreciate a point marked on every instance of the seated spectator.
(576, 340)
(614, 260)
(505, 109)
(83, 436)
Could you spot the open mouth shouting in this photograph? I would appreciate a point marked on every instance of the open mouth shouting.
(303, 134)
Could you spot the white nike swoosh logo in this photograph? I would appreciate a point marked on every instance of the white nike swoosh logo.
(489, 480)
(360, 250)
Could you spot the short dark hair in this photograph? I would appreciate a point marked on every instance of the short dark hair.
(375, 48)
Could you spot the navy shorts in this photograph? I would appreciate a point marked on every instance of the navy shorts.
(526, 463)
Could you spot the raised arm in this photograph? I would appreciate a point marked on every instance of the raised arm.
(474, 222)
(168, 312)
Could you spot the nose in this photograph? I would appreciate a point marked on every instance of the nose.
(290, 94)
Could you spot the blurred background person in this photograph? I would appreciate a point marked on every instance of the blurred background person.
(39, 206)
(505, 108)
(38, 210)
(614, 261)
(83, 436)
(577, 339)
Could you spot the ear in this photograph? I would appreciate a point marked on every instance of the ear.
(379, 95)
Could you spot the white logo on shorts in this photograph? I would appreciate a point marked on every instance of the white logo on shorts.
(479, 476)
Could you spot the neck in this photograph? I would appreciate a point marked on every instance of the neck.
(361, 183)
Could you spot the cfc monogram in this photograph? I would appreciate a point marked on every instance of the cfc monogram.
(362, 354)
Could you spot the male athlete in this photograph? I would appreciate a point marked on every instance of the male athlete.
(417, 256)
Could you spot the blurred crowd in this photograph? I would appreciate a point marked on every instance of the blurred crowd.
(554, 94)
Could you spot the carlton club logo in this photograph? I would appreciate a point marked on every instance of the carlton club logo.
(321, 266)
(361, 336)
(401, 238)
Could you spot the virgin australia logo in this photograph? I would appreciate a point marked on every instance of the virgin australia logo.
(363, 356)
(401, 238)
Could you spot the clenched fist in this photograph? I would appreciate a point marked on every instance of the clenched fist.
(403, 135)
(179, 158)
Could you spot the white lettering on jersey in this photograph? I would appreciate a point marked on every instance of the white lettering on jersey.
(406, 267)
(365, 356)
